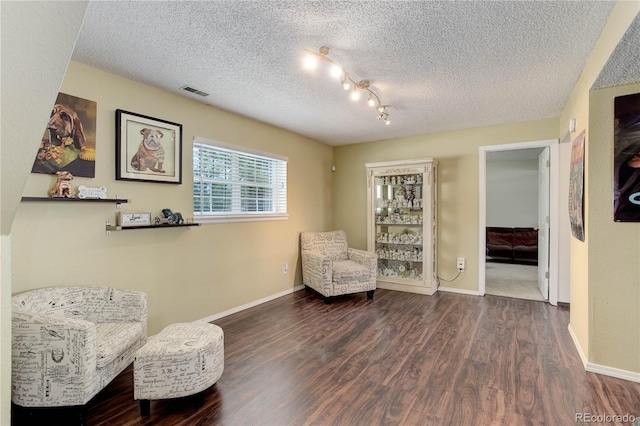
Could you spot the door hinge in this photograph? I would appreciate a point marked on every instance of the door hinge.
(546, 275)
(548, 163)
(546, 219)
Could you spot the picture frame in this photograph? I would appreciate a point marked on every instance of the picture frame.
(69, 140)
(133, 219)
(626, 158)
(576, 187)
(148, 149)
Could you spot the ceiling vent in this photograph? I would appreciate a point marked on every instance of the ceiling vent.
(195, 91)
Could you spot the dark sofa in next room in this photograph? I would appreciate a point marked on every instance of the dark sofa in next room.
(513, 245)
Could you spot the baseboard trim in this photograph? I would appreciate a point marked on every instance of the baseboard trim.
(602, 369)
(250, 305)
(576, 343)
(613, 372)
(459, 291)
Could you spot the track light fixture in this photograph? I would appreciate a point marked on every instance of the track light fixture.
(349, 81)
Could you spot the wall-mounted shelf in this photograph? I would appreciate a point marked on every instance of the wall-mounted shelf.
(78, 200)
(110, 227)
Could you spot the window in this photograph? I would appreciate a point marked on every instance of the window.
(232, 183)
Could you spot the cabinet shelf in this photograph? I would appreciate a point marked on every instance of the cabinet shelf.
(398, 224)
(400, 260)
(77, 200)
(400, 185)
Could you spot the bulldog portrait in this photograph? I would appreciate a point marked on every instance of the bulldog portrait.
(150, 154)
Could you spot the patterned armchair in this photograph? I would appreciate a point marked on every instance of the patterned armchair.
(331, 268)
(68, 343)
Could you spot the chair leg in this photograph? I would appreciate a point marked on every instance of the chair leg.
(145, 407)
(199, 399)
(72, 415)
(82, 414)
(370, 294)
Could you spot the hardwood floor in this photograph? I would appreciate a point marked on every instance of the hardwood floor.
(403, 359)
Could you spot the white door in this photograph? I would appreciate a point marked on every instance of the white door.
(543, 223)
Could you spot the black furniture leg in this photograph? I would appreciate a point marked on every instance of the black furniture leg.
(70, 415)
(370, 294)
(199, 399)
(82, 415)
(145, 407)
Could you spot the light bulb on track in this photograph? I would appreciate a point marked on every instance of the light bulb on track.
(348, 82)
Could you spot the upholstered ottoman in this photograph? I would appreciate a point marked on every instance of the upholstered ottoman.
(181, 360)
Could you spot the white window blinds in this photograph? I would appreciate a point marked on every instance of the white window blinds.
(232, 183)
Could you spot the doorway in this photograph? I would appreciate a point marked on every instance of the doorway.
(517, 218)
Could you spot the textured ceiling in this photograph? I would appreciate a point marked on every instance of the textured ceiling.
(438, 65)
(623, 65)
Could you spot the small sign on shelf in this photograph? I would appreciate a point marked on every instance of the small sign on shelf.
(133, 219)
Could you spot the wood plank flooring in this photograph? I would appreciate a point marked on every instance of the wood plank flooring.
(403, 359)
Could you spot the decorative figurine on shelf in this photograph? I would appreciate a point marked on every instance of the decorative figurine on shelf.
(410, 197)
(62, 188)
(175, 218)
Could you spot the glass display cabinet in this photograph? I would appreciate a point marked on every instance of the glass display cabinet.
(401, 223)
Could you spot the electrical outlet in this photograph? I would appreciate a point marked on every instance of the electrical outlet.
(460, 264)
(285, 268)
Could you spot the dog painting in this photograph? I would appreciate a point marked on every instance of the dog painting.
(150, 153)
(147, 149)
(69, 140)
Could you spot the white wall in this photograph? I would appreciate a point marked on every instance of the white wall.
(512, 193)
(35, 55)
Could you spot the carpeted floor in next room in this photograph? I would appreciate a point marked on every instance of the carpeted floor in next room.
(512, 280)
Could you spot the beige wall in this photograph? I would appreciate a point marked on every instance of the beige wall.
(187, 274)
(582, 271)
(614, 249)
(457, 154)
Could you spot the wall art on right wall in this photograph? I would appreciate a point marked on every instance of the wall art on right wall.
(626, 160)
(576, 188)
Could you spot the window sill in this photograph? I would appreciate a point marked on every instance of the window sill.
(238, 218)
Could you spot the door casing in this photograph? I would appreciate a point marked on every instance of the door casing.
(554, 188)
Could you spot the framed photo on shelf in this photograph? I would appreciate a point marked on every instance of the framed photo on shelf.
(148, 149)
(133, 219)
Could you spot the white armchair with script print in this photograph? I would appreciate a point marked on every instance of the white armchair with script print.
(331, 268)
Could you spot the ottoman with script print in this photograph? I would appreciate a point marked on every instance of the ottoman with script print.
(183, 359)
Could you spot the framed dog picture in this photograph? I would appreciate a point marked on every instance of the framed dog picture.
(69, 141)
(148, 149)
